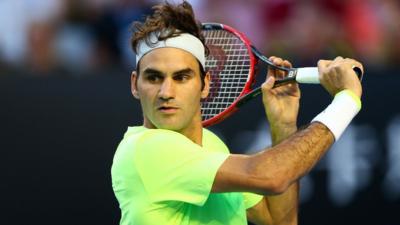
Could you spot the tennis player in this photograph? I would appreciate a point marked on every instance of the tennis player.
(171, 170)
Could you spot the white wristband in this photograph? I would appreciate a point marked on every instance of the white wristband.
(338, 115)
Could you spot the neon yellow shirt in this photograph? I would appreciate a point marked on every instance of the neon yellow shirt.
(162, 177)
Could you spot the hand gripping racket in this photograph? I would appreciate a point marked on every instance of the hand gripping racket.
(232, 62)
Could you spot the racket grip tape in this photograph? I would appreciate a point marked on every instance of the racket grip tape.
(310, 75)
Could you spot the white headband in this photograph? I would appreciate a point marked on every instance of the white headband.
(183, 41)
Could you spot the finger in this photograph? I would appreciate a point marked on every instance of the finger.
(276, 60)
(287, 64)
(322, 64)
(268, 84)
(338, 58)
(279, 62)
(271, 70)
(338, 61)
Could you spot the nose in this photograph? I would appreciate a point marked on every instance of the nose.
(167, 90)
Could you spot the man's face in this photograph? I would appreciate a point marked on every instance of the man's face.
(169, 88)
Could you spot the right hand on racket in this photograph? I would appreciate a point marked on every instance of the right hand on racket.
(281, 103)
(338, 74)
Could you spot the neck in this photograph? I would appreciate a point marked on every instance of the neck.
(194, 131)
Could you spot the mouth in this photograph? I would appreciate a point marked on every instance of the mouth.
(167, 109)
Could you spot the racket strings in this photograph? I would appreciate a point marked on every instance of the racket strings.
(229, 65)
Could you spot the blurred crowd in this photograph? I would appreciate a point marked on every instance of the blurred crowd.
(45, 36)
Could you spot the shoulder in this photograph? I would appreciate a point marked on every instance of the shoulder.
(212, 142)
(158, 142)
(141, 140)
(208, 134)
(141, 135)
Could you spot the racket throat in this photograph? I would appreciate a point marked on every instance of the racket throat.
(247, 97)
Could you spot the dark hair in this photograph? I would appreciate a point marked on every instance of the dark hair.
(170, 20)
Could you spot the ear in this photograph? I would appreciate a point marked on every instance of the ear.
(134, 90)
(206, 89)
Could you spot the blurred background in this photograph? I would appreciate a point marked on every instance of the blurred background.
(65, 103)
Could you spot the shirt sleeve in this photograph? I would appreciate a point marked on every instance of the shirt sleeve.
(173, 168)
(251, 199)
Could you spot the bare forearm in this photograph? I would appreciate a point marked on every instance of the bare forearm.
(286, 162)
(273, 170)
(283, 208)
(280, 133)
(279, 209)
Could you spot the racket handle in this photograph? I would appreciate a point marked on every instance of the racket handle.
(310, 75)
(305, 75)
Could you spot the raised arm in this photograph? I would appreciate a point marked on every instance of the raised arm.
(273, 170)
(281, 105)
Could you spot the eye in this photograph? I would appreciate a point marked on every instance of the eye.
(182, 77)
(154, 78)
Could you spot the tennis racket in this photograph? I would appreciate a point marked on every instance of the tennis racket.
(232, 62)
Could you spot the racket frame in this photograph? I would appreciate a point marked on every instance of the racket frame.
(250, 78)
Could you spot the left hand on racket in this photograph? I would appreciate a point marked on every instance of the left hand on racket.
(337, 75)
(281, 103)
